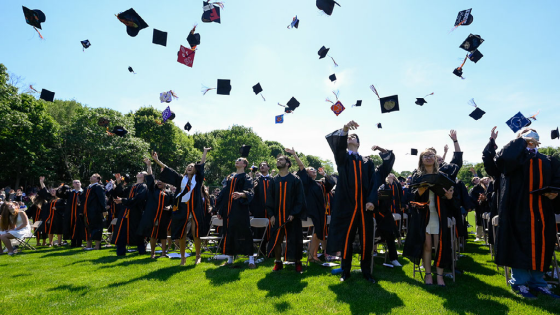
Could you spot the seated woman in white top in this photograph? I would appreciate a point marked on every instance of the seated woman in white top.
(13, 224)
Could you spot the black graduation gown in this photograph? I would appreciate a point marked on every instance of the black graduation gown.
(285, 197)
(480, 207)
(526, 231)
(357, 185)
(183, 210)
(315, 201)
(156, 217)
(73, 217)
(383, 212)
(462, 194)
(238, 238)
(52, 213)
(258, 204)
(127, 224)
(93, 202)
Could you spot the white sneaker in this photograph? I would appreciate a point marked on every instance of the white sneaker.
(396, 263)
(477, 239)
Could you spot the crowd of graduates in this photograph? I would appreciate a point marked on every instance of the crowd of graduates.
(362, 204)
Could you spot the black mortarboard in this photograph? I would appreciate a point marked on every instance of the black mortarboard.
(211, 12)
(244, 150)
(379, 126)
(61, 191)
(126, 177)
(401, 179)
(188, 127)
(293, 104)
(332, 77)
(389, 104)
(554, 134)
(413, 152)
(420, 101)
(477, 113)
(159, 38)
(119, 131)
(34, 17)
(323, 52)
(103, 122)
(134, 23)
(475, 56)
(224, 87)
(517, 122)
(131, 70)
(326, 6)
(472, 42)
(193, 39)
(47, 95)
(172, 116)
(458, 72)
(464, 18)
(85, 43)
(359, 103)
(257, 88)
(287, 110)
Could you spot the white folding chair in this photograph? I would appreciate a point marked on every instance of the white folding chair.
(451, 225)
(404, 226)
(107, 236)
(23, 243)
(259, 223)
(212, 236)
(398, 219)
(306, 225)
(485, 224)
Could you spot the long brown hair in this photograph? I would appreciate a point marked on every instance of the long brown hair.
(421, 169)
(6, 215)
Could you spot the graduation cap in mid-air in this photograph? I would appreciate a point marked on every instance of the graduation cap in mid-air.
(244, 150)
(103, 122)
(119, 131)
(554, 134)
(291, 105)
(193, 38)
(47, 95)
(379, 126)
(389, 103)
(337, 106)
(279, 119)
(413, 152)
(257, 89)
(459, 70)
(167, 97)
(464, 18)
(326, 6)
(323, 52)
(134, 23)
(131, 70)
(472, 43)
(477, 113)
(517, 122)
(186, 56)
(295, 23)
(159, 38)
(421, 101)
(475, 56)
(224, 87)
(188, 127)
(167, 114)
(358, 103)
(211, 11)
(332, 77)
(85, 44)
(34, 18)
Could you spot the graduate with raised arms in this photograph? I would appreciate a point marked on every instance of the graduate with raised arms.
(93, 203)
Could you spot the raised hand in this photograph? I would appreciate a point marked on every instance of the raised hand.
(291, 151)
(41, 179)
(207, 149)
(147, 161)
(351, 125)
(375, 148)
(322, 171)
(155, 156)
(446, 148)
(494, 133)
(453, 135)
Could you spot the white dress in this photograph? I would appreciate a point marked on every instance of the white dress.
(26, 231)
(433, 224)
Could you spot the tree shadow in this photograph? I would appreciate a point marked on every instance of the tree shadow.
(79, 290)
(225, 274)
(128, 262)
(282, 307)
(286, 281)
(61, 253)
(162, 274)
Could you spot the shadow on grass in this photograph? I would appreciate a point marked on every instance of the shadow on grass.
(286, 281)
(225, 274)
(162, 274)
(61, 253)
(79, 290)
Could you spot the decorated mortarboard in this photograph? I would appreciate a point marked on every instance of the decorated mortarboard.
(224, 87)
(379, 126)
(188, 127)
(554, 134)
(388, 104)
(337, 106)
(475, 56)
(167, 97)
(517, 122)
(413, 152)
(295, 23)
(323, 52)
(421, 101)
(477, 113)
(34, 18)
(279, 119)
(159, 38)
(288, 111)
(459, 70)
(472, 43)
(326, 6)
(244, 150)
(166, 114)
(186, 56)
(211, 11)
(134, 23)
(103, 122)
(464, 18)
(332, 77)
(119, 131)
(47, 95)
(193, 38)
(358, 103)
(257, 89)
(85, 44)
(131, 70)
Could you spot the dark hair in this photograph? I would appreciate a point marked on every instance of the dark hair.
(264, 162)
(355, 135)
(285, 158)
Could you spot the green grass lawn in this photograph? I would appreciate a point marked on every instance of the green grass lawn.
(72, 281)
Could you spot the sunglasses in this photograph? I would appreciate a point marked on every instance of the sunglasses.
(431, 156)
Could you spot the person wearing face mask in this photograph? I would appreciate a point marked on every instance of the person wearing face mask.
(188, 208)
(525, 236)
(13, 224)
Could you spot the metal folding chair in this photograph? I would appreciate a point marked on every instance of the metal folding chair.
(23, 243)
(259, 223)
(307, 225)
(107, 236)
(212, 236)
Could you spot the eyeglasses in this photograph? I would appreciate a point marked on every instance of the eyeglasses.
(428, 156)
(239, 160)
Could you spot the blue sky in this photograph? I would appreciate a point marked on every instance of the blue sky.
(402, 47)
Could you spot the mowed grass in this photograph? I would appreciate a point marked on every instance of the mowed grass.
(72, 281)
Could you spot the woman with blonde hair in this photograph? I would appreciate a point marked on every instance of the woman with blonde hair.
(52, 213)
(13, 224)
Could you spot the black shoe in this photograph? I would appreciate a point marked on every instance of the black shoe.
(369, 278)
(345, 276)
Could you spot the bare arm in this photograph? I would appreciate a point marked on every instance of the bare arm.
(149, 166)
(380, 149)
(453, 136)
(204, 155)
(156, 159)
(445, 149)
(42, 181)
(298, 161)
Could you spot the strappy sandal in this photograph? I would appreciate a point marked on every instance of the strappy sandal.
(438, 275)
(425, 274)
